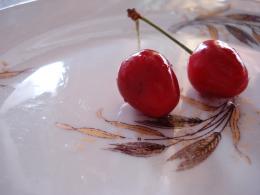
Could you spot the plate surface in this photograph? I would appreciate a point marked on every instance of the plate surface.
(69, 53)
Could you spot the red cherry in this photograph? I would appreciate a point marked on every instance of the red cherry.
(147, 82)
(215, 69)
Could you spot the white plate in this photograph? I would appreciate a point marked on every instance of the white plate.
(72, 51)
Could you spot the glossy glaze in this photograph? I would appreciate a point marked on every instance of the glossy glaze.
(90, 43)
(215, 69)
(147, 82)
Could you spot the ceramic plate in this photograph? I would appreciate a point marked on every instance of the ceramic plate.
(59, 63)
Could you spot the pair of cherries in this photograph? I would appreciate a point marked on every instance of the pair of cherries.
(147, 82)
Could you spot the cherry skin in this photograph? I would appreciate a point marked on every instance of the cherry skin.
(216, 70)
(147, 82)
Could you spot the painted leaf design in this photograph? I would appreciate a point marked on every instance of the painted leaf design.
(176, 27)
(236, 133)
(198, 104)
(244, 17)
(196, 152)
(234, 126)
(256, 36)
(213, 31)
(138, 149)
(90, 131)
(136, 128)
(10, 74)
(241, 35)
(65, 126)
(171, 121)
(3, 63)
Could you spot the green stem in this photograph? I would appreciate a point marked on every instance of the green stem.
(137, 26)
(132, 13)
(167, 35)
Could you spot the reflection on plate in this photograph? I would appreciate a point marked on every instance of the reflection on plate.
(63, 75)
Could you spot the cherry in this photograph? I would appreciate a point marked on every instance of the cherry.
(147, 82)
(215, 69)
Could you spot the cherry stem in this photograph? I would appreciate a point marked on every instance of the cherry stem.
(134, 15)
(138, 34)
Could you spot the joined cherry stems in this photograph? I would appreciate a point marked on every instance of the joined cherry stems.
(135, 16)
